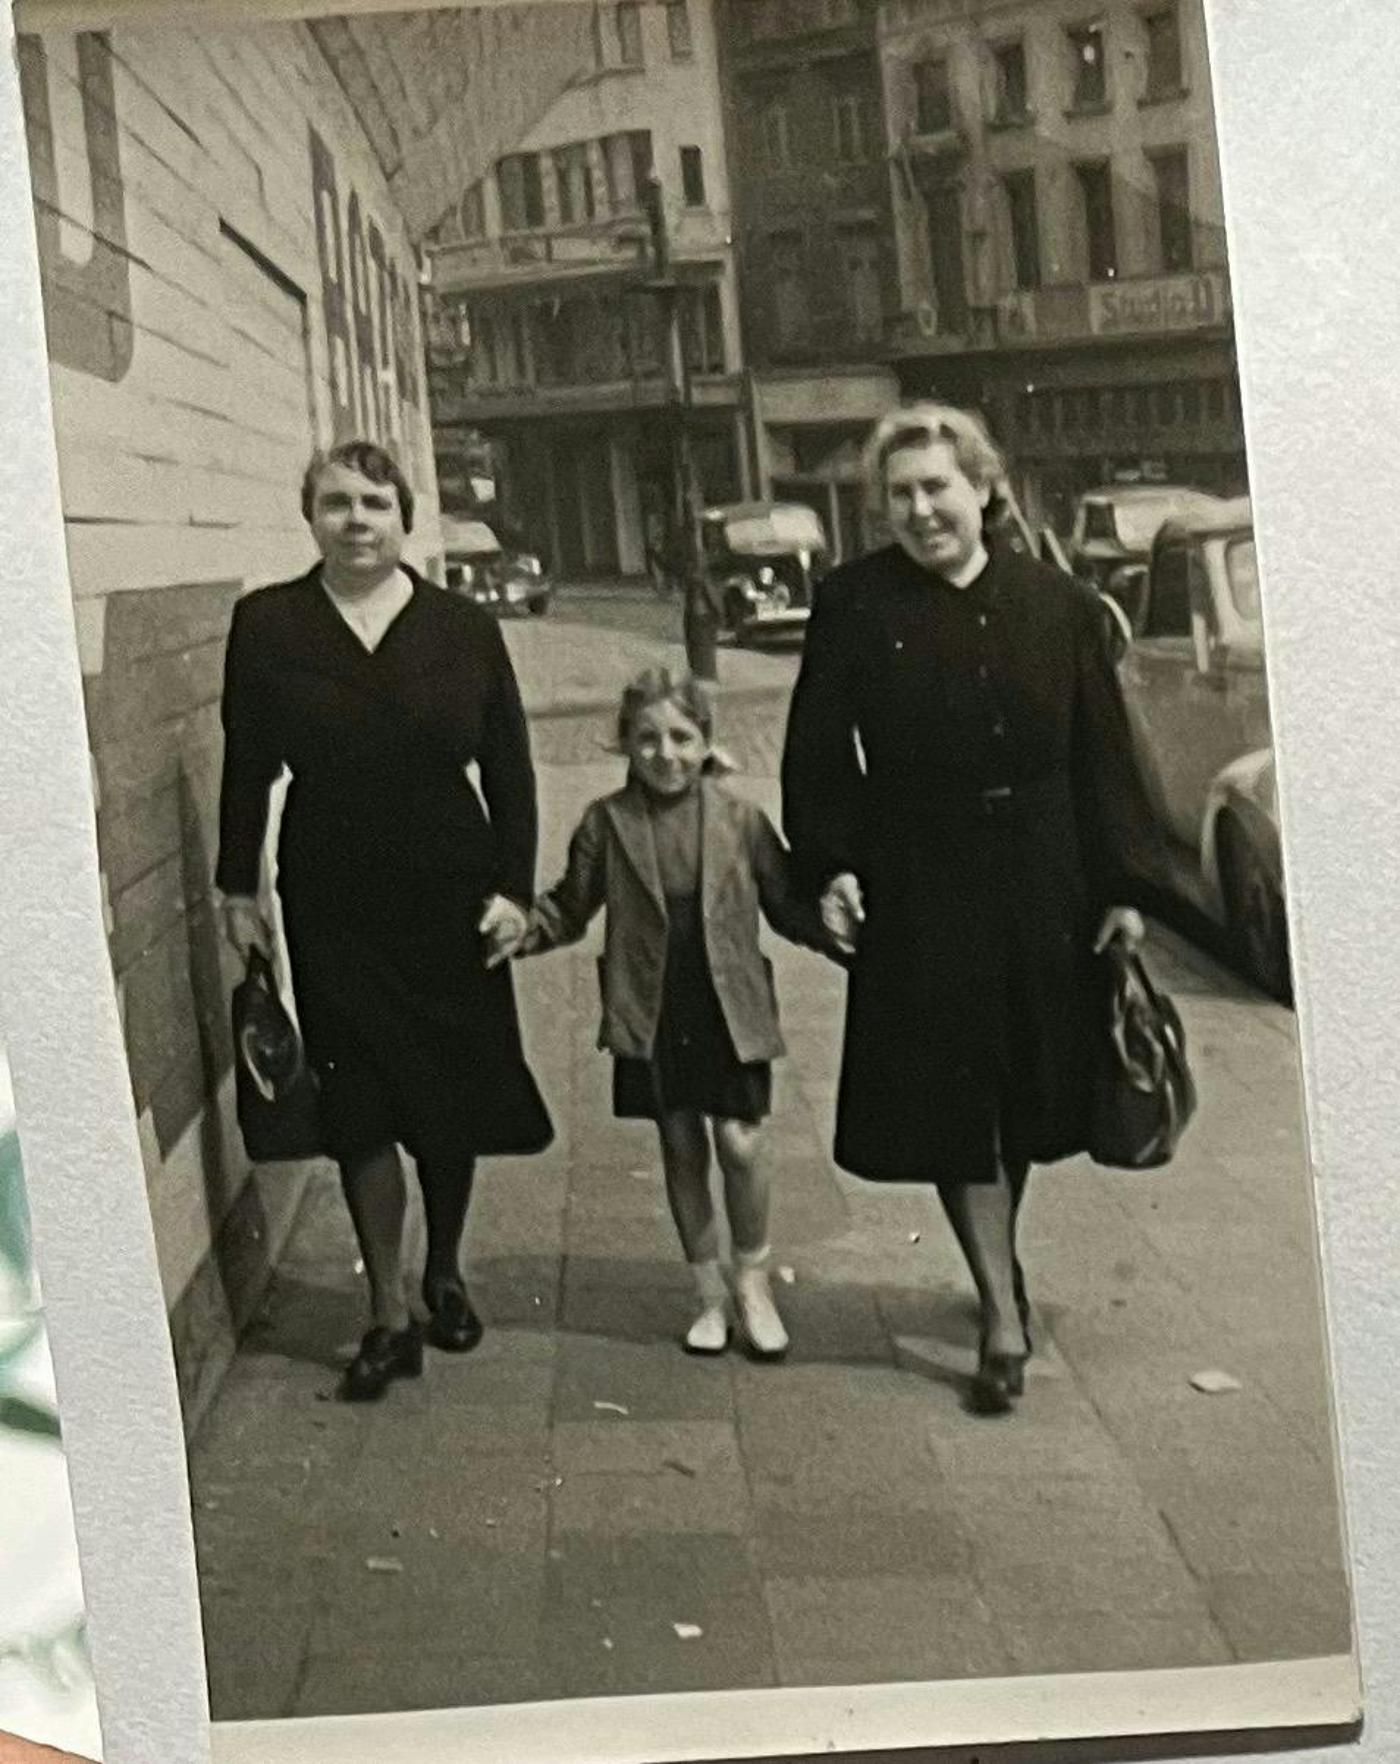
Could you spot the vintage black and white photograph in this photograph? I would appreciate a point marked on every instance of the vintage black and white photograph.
(675, 672)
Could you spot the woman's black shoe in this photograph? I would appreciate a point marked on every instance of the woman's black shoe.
(999, 1380)
(385, 1354)
(453, 1325)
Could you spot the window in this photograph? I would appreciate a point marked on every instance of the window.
(1163, 31)
(678, 30)
(1169, 607)
(1025, 228)
(574, 183)
(1011, 91)
(642, 163)
(473, 211)
(693, 177)
(848, 128)
(860, 269)
(629, 33)
(702, 329)
(943, 206)
(522, 192)
(1090, 74)
(777, 145)
(1171, 174)
(789, 291)
(1102, 248)
(933, 101)
(1242, 573)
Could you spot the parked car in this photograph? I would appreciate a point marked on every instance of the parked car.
(489, 564)
(761, 559)
(1192, 670)
(1114, 528)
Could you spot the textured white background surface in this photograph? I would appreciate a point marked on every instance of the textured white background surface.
(1309, 106)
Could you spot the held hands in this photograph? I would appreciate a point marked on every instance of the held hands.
(1123, 924)
(843, 911)
(247, 926)
(504, 926)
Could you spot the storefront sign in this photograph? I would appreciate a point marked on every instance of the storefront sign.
(1163, 303)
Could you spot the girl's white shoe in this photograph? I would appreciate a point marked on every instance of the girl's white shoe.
(709, 1333)
(758, 1315)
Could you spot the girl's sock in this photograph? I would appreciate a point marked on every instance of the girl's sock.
(758, 1314)
(709, 1333)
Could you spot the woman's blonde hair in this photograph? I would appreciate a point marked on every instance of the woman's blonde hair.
(916, 424)
(661, 686)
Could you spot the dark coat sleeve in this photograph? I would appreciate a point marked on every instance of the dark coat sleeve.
(792, 914)
(252, 761)
(1123, 845)
(508, 775)
(561, 915)
(822, 779)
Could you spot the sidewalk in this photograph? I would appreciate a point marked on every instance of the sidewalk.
(536, 1519)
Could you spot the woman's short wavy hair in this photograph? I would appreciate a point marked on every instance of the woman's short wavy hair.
(371, 461)
(916, 424)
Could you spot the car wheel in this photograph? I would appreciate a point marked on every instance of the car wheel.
(736, 611)
(538, 608)
(1254, 913)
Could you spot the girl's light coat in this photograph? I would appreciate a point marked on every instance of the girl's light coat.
(744, 870)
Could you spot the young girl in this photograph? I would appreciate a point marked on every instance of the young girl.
(689, 1011)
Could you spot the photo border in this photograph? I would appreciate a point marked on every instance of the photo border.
(1311, 243)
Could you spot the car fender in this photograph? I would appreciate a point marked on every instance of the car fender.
(1243, 787)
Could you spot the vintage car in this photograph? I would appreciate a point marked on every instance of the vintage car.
(489, 564)
(760, 560)
(1114, 528)
(1192, 672)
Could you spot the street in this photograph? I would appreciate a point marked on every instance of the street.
(579, 1509)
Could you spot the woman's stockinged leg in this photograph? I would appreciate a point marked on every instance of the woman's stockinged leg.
(447, 1193)
(374, 1193)
(983, 1217)
(685, 1158)
(746, 1186)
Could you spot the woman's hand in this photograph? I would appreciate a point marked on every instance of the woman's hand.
(843, 911)
(503, 925)
(246, 926)
(1123, 924)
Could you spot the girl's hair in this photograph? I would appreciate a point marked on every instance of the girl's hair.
(916, 425)
(683, 691)
(371, 461)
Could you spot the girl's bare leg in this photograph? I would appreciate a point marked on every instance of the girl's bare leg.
(685, 1157)
(746, 1196)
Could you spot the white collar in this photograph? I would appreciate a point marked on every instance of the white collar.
(970, 571)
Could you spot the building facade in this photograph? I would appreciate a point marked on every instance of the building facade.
(817, 268)
(227, 225)
(547, 343)
(1060, 236)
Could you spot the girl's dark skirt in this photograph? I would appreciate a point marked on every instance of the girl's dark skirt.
(413, 1041)
(694, 1065)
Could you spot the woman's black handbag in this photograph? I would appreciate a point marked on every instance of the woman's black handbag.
(1144, 1094)
(278, 1104)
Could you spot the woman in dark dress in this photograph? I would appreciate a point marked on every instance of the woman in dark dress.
(959, 787)
(401, 892)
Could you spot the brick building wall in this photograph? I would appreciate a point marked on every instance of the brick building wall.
(230, 279)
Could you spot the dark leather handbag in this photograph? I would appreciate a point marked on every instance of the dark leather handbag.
(1144, 1094)
(278, 1103)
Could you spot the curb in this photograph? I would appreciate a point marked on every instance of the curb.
(593, 707)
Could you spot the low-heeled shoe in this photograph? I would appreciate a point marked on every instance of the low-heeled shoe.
(385, 1354)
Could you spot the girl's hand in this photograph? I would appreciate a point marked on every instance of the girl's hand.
(843, 911)
(503, 925)
(246, 926)
(1123, 924)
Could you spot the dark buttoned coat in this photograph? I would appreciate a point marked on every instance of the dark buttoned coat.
(966, 754)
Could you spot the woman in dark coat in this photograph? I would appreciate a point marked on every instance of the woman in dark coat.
(958, 784)
(401, 892)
